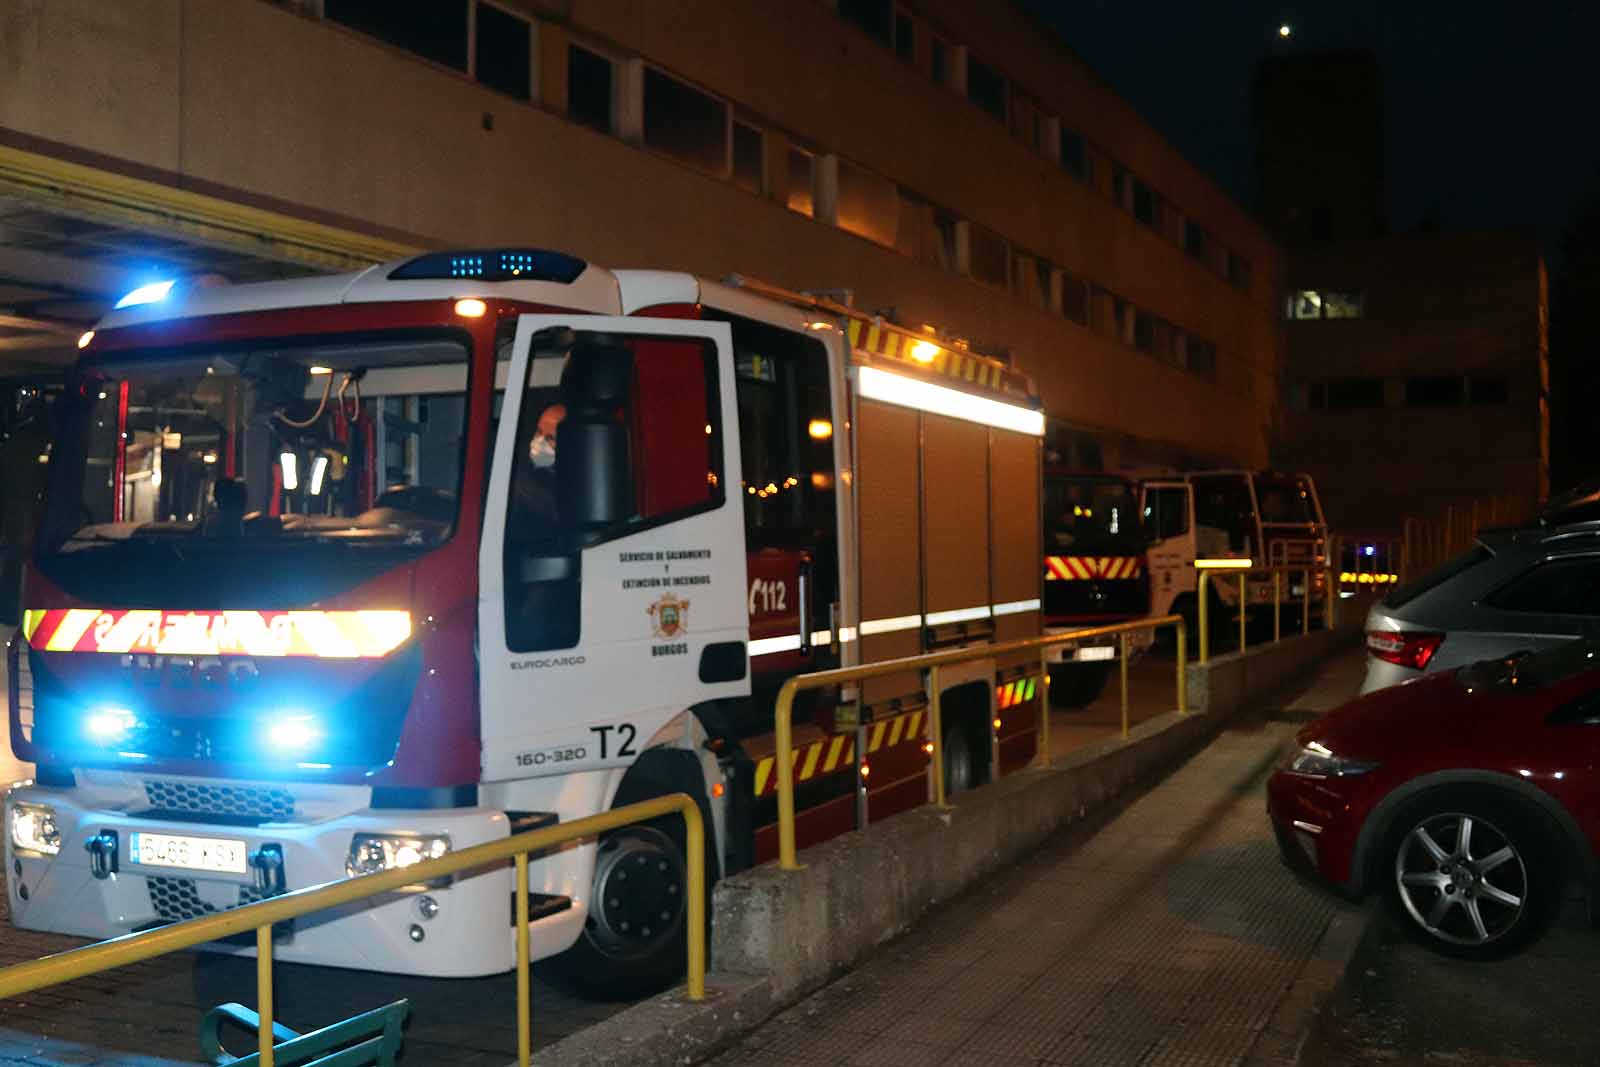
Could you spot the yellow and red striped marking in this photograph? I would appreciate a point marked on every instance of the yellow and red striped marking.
(936, 357)
(838, 751)
(312, 634)
(1083, 568)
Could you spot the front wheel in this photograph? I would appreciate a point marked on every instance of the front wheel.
(634, 941)
(1472, 876)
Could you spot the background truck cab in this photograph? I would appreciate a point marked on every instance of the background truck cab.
(1265, 516)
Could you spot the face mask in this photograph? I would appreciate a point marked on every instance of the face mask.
(542, 451)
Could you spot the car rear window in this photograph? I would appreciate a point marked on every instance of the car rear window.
(1408, 592)
(1559, 587)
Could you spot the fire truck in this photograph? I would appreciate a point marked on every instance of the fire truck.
(343, 573)
(1094, 573)
(1269, 517)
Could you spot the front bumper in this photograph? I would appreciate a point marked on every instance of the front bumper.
(470, 934)
(1095, 649)
(1316, 824)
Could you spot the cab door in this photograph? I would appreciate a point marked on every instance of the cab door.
(612, 576)
(1168, 511)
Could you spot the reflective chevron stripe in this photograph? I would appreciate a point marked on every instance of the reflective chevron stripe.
(313, 634)
(1083, 568)
(838, 752)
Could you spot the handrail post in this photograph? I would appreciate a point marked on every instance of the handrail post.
(1043, 759)
(1305, 602)
(1330, 605)
(936, 726)
(1183, 667)
(1244, 613)
(784, 759)
(524, 1003)
(1122, 659)
(1203, 616)
(696, 841)
(264, 993)
(1277, 606)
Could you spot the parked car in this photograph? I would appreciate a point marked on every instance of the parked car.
(1515, 590)
(1471, 799)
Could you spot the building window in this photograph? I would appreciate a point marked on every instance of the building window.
(1238, 270)
(748, 158)
(869, 206)
(1490, 391)
(1119, 186)
(801, 168)
(1074, 155)
(1353, 394)
(1144, 203)
(1343, 305)
(1303, 304)
(504, 52)
(905, 37)
(986, 87)
(940, 56)
(1075, 299)
(1196, 241)
(589, 88)
(436, 31)
(1027, 121)
(684, 123)
(876, 17)
(986, 256)
(1201, 357)
(946, 240)
(1433, 392)
(1144, 331)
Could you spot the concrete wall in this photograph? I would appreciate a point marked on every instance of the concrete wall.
(1457, 305)
(257, 102)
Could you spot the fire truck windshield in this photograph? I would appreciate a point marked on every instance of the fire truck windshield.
(1095, 515)
(1284, 500)
(355, 443)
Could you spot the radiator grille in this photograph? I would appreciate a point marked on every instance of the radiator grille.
(221, 801)
(177, 899)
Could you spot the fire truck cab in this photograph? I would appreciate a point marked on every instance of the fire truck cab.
(339, 574)
(1264, 516)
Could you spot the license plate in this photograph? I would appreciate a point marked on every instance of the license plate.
(219, 854)
(1105, 652)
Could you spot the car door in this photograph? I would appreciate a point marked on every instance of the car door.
(612, 568)
(1168, 511)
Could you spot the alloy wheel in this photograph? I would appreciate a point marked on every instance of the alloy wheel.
(1461, 878)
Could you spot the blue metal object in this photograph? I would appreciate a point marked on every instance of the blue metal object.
(371, 1039)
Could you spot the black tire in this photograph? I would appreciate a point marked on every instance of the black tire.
(620, 955)
(1482, 895)
(1077, 685)
(966, 755)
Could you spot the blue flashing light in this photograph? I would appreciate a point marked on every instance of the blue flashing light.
(1369, 550)
(146, 294)
(293, 732)
(108, 726)
(493, 265)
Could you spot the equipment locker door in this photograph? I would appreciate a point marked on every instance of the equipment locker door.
(612, 577)
(1168, 510)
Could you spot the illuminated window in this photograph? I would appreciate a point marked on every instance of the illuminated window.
(684, 123)
(1343, 305)
(1324, 304)
(869, 205)
(503, 52)
(1304, 304)
(802, 164)
(589, 88)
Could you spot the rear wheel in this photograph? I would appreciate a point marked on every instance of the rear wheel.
(1472, 874)
(634, 940)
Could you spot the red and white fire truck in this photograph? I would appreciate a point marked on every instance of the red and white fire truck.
(1094, 573)
(343, 573)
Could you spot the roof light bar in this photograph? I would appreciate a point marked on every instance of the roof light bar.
(493, 265)
(876, 384)
(146, 294)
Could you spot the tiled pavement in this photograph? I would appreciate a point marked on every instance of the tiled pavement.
(1167, 938)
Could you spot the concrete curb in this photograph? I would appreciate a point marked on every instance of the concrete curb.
(1348, 939)
(779, 935)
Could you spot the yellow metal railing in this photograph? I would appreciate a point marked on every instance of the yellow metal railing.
(932, 662)
(260, 917)
(1244, 567)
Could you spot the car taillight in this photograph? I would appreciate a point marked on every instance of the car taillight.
(1406, 647)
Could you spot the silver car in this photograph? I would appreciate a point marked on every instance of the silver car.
(1515, 590)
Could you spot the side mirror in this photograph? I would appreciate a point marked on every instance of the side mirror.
(595, 468)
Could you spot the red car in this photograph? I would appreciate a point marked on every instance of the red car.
(1470, 799)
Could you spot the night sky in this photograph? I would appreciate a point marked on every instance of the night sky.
(1491, 107)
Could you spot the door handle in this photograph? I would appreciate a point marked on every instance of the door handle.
(803, 604)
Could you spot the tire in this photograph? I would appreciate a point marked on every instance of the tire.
(1077, 685)
(1480, 893)
(966, 754)
(634, 941)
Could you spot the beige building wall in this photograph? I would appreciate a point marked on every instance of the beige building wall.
(272, 105)
(1436, 308)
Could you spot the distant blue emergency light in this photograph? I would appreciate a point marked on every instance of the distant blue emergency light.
(1369, 550)
(493, 265)
(146, 294)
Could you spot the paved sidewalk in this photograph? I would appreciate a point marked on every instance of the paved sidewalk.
(1168, 937)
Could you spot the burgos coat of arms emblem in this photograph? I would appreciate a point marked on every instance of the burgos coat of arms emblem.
(669, 616)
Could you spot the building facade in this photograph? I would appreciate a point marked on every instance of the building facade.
(1418, 376)
(946, 164)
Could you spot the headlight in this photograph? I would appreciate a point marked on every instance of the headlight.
(1318, 761)
(33, 829)
(371, 853)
